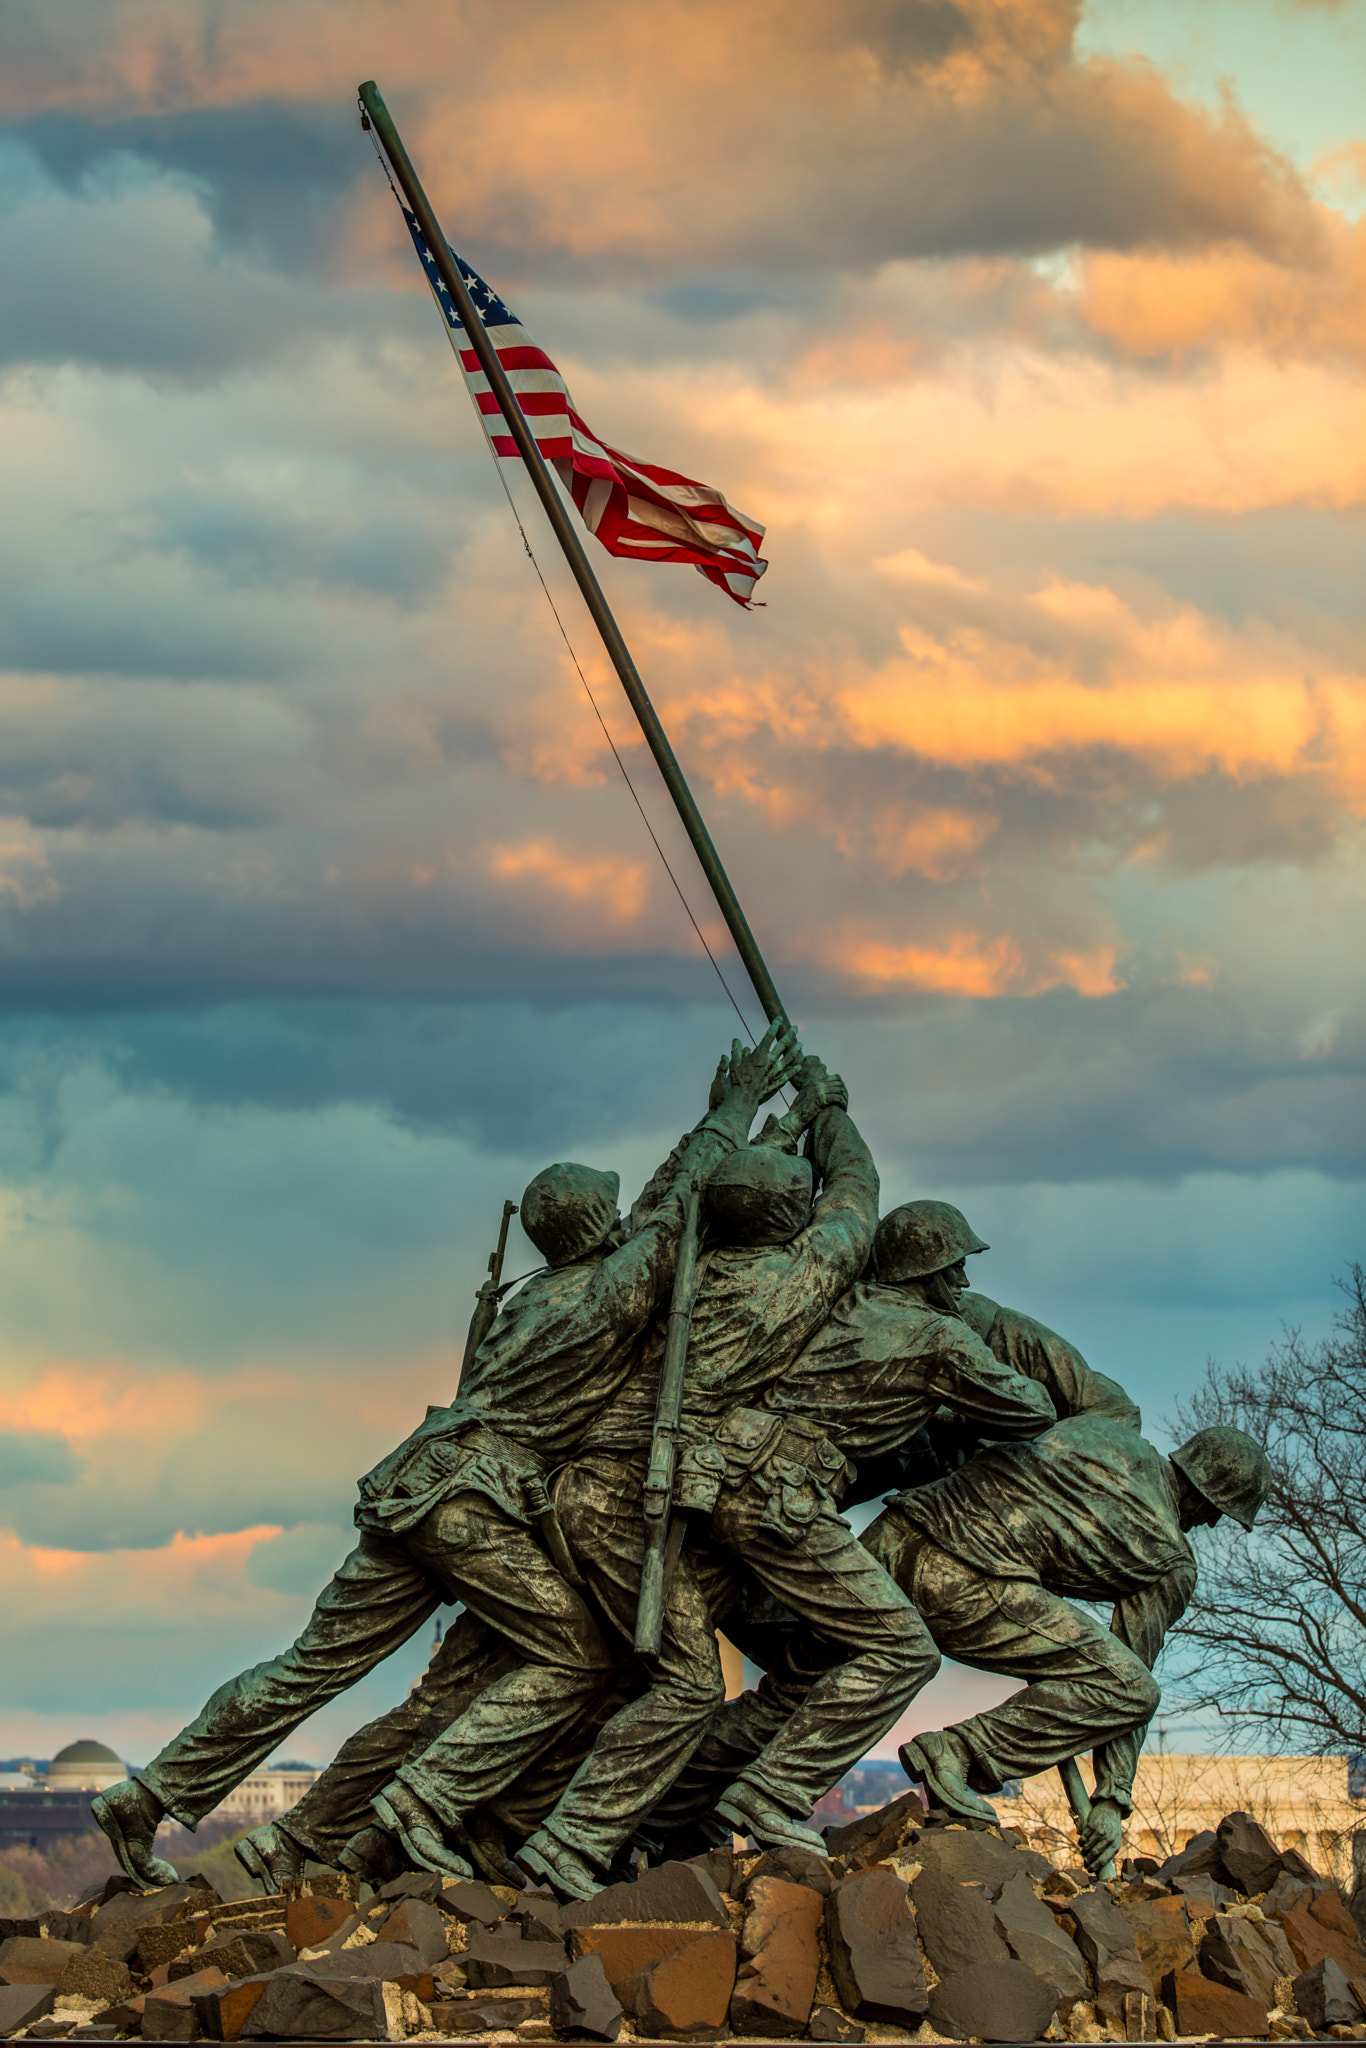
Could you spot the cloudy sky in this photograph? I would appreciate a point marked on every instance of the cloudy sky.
(1033, 333)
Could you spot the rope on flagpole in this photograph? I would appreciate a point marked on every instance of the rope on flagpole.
(569, 645)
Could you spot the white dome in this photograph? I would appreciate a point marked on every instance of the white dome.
(84, 1767)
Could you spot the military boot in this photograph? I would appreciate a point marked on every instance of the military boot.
(374, 1855)
(751, 1811)
(940, 1762)
(270, 1854)
(419, 1830)
(550, 1862)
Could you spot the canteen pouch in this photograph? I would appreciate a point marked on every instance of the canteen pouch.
(804, 1475)
(698, 1477)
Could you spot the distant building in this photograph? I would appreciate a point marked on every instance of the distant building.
(266, 1794)
(35, 1810)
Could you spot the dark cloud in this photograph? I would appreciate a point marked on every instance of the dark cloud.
(33, 1459)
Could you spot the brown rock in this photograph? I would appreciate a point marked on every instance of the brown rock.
(996, 2001)
(874, 1955)
(1102, 1930)
(328, 1884)
(1199, 1858)
(309, 1921)
(1204, 1898)
(162, 1944)
(30, 1928)
(232, 1957)
(89, 1974)
(1201, 2006)
(797, 1866)
(973, 1856)
(875, 1835)
(21, 2004)
(719, 1865)
(1117, 1980)
(413, 1884)
(955, 1922)
(222, 2014)
(1162, 1934)
(828, 2023)
(58, 1926)
(625, 1951)
(297, 2006)
(540, 1917)
(780, 1959)
(26, 1959)
(583, 2004)
(388, 1961)
(418, 1923)
(1323, 1927)
(686, 1993)
(168, 2014)
(482, 2016)
(1033, 1936)
(682, 1892)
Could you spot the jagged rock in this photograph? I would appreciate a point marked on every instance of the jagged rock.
(719, 1864)
(974, 1856)
(997, 2001)
(780, 1959)
(21, 2004)
(674, 1891)
(1201, 2006)
(1199, 1858)
(828, 2023)
(297, 2006)
(1248, 1854)
(471, 1901)
(874, 1954)
(58, 1926)
(1235, 1952)
(1162, 1934)
(168, 2013)
(328, 1884)
(157, 1945)
(1325, 1998)
(89, 1974)
(390, 1961)
(540, 1917)
(1322, 1927)
(1204, 1898)
(627, 1950)
(583, 2003)
(955, 1922)
(686, 1993)
(484, 2015)
(1118, 1979)
(31, 1928)
(417, 1923)
(860, 1843)
(27, 1959)
(797, 1866)
(222, 2014)
(1102, 1930)
(413, 1884)
(1034, 1937)
(309, 1921)
(492, 1962)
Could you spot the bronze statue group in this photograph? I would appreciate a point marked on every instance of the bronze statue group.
(831, 1358)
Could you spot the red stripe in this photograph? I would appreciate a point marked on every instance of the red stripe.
(521, 356)
(534, 404)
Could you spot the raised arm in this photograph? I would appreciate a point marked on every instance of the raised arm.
(1073, 1386)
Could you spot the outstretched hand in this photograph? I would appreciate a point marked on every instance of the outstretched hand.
(763, 1069)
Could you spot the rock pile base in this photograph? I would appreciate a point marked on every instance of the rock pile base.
(903, 1932)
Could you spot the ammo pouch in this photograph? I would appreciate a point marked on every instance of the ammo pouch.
(726, 1459)
(791, 1463)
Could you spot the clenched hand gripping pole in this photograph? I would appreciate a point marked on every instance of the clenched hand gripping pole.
(663, 1542)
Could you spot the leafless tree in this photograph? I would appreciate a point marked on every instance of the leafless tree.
(1278, 1622)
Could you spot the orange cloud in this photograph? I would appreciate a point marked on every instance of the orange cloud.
(967, 964)
(87, 1402)
(615, 889)
(207, 1572)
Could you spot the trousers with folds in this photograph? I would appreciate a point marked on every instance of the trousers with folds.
(464, 1549)
(1083, 1687)
(830, 1585)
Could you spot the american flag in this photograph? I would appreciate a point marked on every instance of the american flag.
(635, 508)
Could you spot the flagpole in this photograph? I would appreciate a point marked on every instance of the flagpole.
(566, 533)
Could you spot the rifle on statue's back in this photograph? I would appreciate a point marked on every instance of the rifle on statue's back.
(487, 1300)
(663, 1542)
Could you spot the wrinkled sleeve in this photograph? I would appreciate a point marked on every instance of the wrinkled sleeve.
(1141, 1621)
(972, 1381)
(720, 1131)
(840, 1234)
(1073, 1386)
(631, 1282)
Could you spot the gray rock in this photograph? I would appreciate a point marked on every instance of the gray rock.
(297, 2006)
(1102, 1930)
(994, 2002)
(1199, 1858)
(484, 2015)
(583, 2004)
(875, 1835)
(413, 1884)
(828, 2023)
(492, 1962)
(675, 1891)
(797, 1866)
(956, 1925)
(21, 2004)
(415, 1922)
(1034, 1937)
(1233, 1952)
(470, 1901)
(1324, 1996)
(390, 1961)
(1203, 1896)
(540, 1917)
(1248, 1854)
(973, 1856)
(874, 1954)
